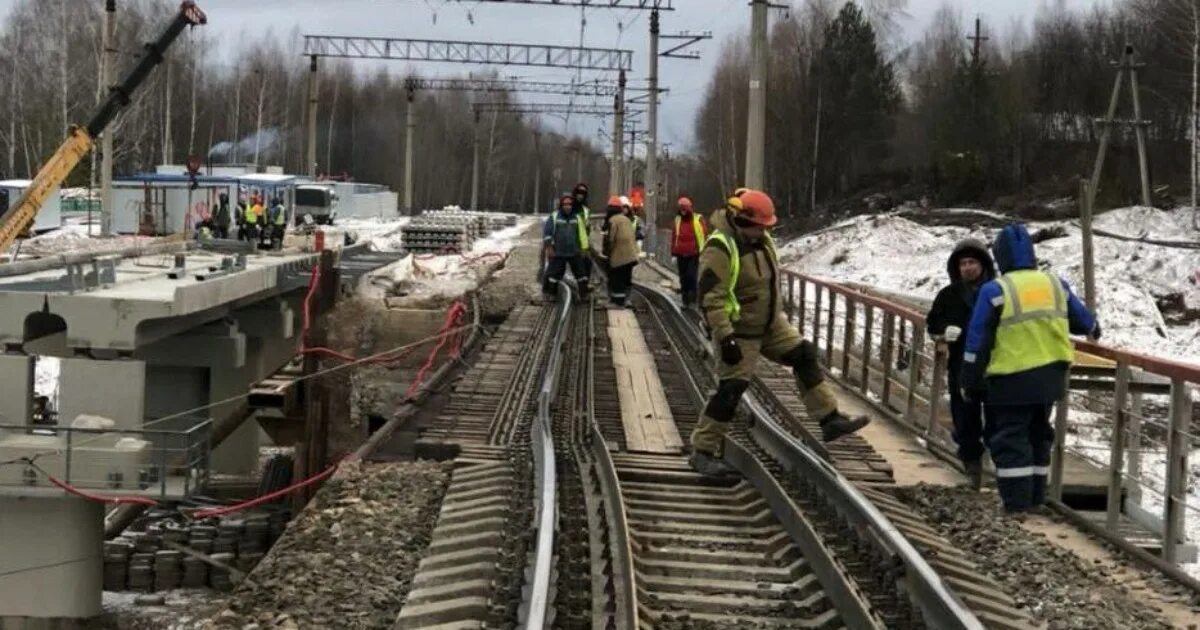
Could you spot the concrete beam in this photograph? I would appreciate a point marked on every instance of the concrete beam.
(220, 345)
(16, 388)
(113, 389)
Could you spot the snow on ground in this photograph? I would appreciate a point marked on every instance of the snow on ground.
(383, 234)
(76, 235)
(899, 255)
(422, 277)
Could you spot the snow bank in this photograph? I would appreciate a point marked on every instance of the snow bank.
(898, 255)
(423, 277)
(382, 234)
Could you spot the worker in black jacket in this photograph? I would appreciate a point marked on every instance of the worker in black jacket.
(969, 267)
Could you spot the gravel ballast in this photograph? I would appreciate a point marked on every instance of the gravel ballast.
(1054, 584)
(348, 560)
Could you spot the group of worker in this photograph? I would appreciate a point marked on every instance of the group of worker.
(1009, 346)
(1007, 330)
(256, 223)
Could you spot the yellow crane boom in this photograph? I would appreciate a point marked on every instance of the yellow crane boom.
(21, 215)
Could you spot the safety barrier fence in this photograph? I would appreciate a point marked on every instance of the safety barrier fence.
(1126, 414)
(117, 462)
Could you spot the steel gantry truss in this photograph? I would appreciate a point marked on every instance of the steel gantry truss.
(661, 5)
(586, 88)
(548, 108)
(398, 49)
(489, 53)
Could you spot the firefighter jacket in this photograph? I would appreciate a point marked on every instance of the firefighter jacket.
(739, 283)
(620, 244)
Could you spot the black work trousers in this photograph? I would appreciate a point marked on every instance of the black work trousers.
(557, 268)
(973, 421)
(689, 272)
(620, 280)
(1021, 444)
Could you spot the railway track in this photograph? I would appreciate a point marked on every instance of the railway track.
(845, 486)
(550, 522)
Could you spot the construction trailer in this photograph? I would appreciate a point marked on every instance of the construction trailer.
(50, 215)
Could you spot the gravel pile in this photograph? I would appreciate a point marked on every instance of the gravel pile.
(515, 283)
(1054, 584)
(348, 560)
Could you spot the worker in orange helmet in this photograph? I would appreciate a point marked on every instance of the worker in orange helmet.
(743, 310)
(687, 238)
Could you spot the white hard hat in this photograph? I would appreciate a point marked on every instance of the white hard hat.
(625, 201)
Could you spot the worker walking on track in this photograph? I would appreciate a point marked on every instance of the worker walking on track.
(565, 236)
(686, 240)
(1018, 343)
(620, 249)
(742, 306)
(970, 266)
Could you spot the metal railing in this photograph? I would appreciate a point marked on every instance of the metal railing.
(123, 462)
(1117, 405)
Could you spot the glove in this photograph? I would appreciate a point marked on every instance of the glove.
(952, 334)
(731, 353)
(1095, 334)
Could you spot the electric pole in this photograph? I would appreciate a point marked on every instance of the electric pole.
(537, 172)
(109, 61)
(311, 158)
(410, 128)
(756, 130)
(652, 139)
(475, 167)
(618, 151)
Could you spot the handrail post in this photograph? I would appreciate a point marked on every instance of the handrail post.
(847, 337)
(1173, 503)
(1117, 459)
(829, 328)
(866, 351)
(791, 297)
(1061, 412)
(816, 329)
(936, 388)
(914, 372)
(889, 330)
(802, 306)
(1134, 446)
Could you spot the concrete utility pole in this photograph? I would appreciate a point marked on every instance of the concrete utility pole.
(311, 157)
(410, 129)
(652, 140)
(537, 173)
(109, 61)
(475, 166)
(618, 151)
(756, 120)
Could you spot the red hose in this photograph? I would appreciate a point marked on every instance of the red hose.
(98, 498)
(271, 496)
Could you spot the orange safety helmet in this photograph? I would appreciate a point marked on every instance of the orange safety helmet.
(685, 202)
(756, 208)
(614, 201)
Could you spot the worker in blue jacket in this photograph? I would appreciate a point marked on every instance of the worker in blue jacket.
(565, 243)
(1019, 351)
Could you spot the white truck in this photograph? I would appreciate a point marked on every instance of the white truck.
(316, 203)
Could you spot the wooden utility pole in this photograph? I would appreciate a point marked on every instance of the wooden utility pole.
(312, 452)
(1089, 255)
(1126, 65)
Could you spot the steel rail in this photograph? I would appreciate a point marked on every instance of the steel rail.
(940, 607)
(536, 602)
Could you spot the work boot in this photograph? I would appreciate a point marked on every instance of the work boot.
(837, 424)
(710, 466)
(974, 472)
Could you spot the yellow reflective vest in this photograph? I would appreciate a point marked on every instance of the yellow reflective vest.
(1034, 330)
(733, 308)
(251, 215)
(697, 229)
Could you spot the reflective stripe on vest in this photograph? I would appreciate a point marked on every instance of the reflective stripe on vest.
(579, 225)
(733, 308)
(697, 230)
(1033, 331)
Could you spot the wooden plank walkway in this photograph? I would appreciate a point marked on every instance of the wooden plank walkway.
(649, 426)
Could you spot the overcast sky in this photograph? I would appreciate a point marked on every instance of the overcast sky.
(234, 20)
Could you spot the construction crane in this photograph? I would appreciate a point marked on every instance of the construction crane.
(20, 216)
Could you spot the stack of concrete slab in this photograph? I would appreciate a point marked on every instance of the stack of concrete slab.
(448, 231)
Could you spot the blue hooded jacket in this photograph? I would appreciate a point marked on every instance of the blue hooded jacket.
(1013, 251)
